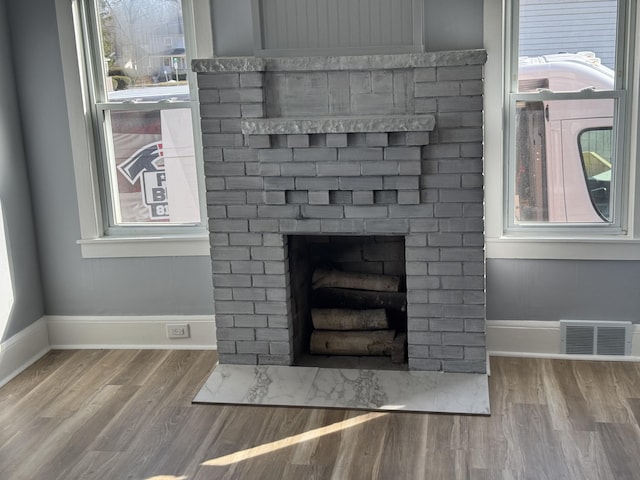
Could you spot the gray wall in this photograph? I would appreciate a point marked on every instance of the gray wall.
(450, 25)
(73, 285)
(563, 289)
(19, 235)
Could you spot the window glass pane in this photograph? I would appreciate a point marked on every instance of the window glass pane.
(154, 167)
(551, 35)
(553, 181)
(143, 47)
(595, 150)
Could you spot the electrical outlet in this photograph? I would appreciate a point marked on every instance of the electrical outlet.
(178, 330)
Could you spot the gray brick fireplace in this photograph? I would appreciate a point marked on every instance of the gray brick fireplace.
(385, 148)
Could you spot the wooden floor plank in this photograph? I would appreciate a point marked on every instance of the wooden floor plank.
(92, 415)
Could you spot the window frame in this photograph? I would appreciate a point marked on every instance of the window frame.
(96, 239)
(547, 243)
(617, 225)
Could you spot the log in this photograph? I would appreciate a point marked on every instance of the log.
(373, 342)
(346, 319)
(359, 299)
(399, 348)
(360, 281)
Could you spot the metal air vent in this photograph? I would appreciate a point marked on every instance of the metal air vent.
(585, 337)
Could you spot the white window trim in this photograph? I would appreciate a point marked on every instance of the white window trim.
(93, 243)
(532, 245)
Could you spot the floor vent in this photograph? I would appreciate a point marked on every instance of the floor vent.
(584, 337)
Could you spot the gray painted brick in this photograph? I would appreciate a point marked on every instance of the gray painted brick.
(462, 254)
(465, 311)
(420, 326)
(464, 366)
(220, 110)
(244, 183)
(460, 166)
(474, 297)
(219, 239)
(421, 254)
(223, 168)
(460, 135)
(278, 211)
(438, 89)
(319, 198)
(464, 339)
(387, 226)
(426, 105)
(448, 210)
(226, 280)
(268, 280)
(271, 308)
(465, 225)
(248, 334)
(278, 183)
(230, 253)
(267, 253)
(379, 167)
(275, 155)
(315, 154)
(473, 267)
(424, 282)
(209, 95)
(249, 294)
(237, 359)
(226, 346)
(220, 266)
(272, 334)
(373, 211)
(225, 320)
(235, 306)
(442, 180)
(473, 239)
(225, 225)
(474, 325)
(473, 210)
(279, 348)
(299, 169)
(465, 282)
(241, 211)
(263, 225)
(251, 79)
(442, 351)
(245, 239)
(446, 324)
(360, 183)
(424, 310)
(460, 104)
(239, 154)
(342, 226)
(241, 95)
(222, 294)
(332, 169)
(322, 211)
(450, 297)
(358, 154)
(468, 150)
(283, 360)
(425, 364)
(426, 338)
(417, 138)
(466, 72)
(417, 296)
(212, 154)
(363, 197)
(424, 74)
(294, 196)
(408, 197)
(324, 183)
(445, 239)
(376, 139)
(411, 211)
(445, 268)
(418, 351)
(472, 180)
(272, 240)
(278, 321)
(248, 267)
(277, 294)
(217, 211)
(222, 140)
(259, 141)
(413, 167)
(386, 197)
(298, 141)
(336, 140)
(401, 183)
(218, 80)
(475, 353)
(253, 347)
(274, 198)
(424, 225)
(252, 110)
(402, 153)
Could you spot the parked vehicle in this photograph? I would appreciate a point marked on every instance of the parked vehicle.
(564, 147)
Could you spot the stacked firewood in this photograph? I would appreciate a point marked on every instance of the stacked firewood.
(351, 314)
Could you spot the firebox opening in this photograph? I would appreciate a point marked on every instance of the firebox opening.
(348, 301)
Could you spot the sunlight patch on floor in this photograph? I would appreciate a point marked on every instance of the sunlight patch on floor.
(293, 440)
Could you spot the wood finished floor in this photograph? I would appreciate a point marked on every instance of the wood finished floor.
(125, 414)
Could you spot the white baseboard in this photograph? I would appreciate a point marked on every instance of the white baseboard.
(23, 349)
(144, 332)
(539, 339)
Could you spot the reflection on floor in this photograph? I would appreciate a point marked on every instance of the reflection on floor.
(347, 388)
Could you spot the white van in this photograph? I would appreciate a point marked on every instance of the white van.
(567, 144)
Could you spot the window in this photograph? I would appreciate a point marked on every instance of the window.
(142, 114)
(567, 119)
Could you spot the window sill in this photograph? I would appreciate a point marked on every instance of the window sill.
(160, 246)
(593, 248)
